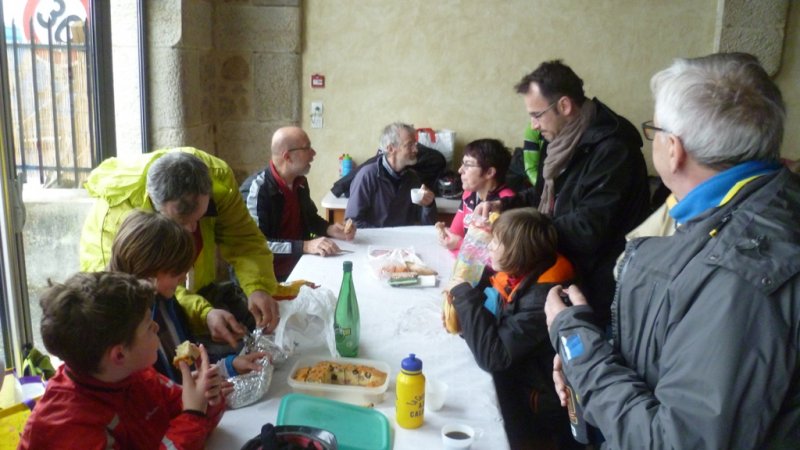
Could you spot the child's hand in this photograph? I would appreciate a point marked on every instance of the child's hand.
(484, 208)
(226, 388)
(247, 363)
(202, 387)
(455, 281)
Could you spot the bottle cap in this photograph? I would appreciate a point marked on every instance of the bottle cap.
(347, 266)
(411, 364)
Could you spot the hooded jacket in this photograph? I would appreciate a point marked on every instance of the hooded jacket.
(706, 329)
(601, 195)
(515, 349)
(119, 187)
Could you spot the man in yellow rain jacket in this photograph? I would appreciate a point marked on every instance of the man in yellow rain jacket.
(200, 192)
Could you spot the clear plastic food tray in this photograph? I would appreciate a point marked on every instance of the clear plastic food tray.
(358, 395)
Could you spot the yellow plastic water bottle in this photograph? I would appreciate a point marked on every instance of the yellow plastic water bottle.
(410, 404)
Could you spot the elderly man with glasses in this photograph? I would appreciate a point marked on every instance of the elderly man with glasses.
(380, 195)
(707, 332)
(279, 200)
(594, 178)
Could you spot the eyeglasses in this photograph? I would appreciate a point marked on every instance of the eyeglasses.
(537, 115)
(408, 145)
(467, 165)
(300, 148)
(649, 130)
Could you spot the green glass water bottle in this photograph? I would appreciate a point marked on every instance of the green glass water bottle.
(346, 320)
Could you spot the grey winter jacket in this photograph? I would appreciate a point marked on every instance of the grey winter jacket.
(706, 332)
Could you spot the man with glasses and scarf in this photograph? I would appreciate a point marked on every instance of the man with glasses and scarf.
(594, 178)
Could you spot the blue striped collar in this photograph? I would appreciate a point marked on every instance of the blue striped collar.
(713, 191)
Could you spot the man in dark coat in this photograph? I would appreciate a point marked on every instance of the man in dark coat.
(594, 176)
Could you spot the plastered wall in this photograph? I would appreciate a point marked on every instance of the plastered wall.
(452, 64)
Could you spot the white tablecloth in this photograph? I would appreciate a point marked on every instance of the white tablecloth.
(394, 323)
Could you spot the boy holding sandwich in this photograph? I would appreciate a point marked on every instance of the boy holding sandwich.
(154, 247)
(107, 394)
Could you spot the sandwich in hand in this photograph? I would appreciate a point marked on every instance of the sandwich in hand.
(449, 314)
(187, 352)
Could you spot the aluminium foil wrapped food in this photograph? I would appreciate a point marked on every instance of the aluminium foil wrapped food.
(251, 387)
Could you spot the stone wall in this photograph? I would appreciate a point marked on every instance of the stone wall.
(224, 75)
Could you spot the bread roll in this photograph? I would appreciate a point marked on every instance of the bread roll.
(420, 269)
(451, 323)
(186, 351)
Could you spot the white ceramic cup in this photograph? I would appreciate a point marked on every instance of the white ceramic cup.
(416, 195)
(457, 436)
(435, 394)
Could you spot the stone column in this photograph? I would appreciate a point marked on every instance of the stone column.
(224, 75)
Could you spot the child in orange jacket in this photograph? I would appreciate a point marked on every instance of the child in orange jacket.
(503, 322)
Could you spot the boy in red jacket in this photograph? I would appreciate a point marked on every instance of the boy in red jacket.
(107, 394)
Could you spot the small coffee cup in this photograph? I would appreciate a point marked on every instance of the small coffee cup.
(435, 394)
(457, 436)
(416, 196)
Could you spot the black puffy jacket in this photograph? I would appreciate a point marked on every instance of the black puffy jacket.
(601, 195)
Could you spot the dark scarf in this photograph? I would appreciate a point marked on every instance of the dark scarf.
(559, 153)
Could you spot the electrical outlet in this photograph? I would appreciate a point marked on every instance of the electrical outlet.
(316, 114)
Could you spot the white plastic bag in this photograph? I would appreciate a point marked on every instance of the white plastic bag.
(307, 320)
(385, 261)
(442, 140)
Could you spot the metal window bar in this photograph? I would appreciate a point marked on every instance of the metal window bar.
(71, 99)
(90, 99)
(20, 133)
(36, 109)
(53, 98)
(47, 90)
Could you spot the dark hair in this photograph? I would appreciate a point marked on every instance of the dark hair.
(178, 176)
(555, 80)
(529, 241)
(490, 153)
(90, 313)
(149, 243)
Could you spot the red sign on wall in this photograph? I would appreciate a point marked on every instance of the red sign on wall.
(317, 81)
